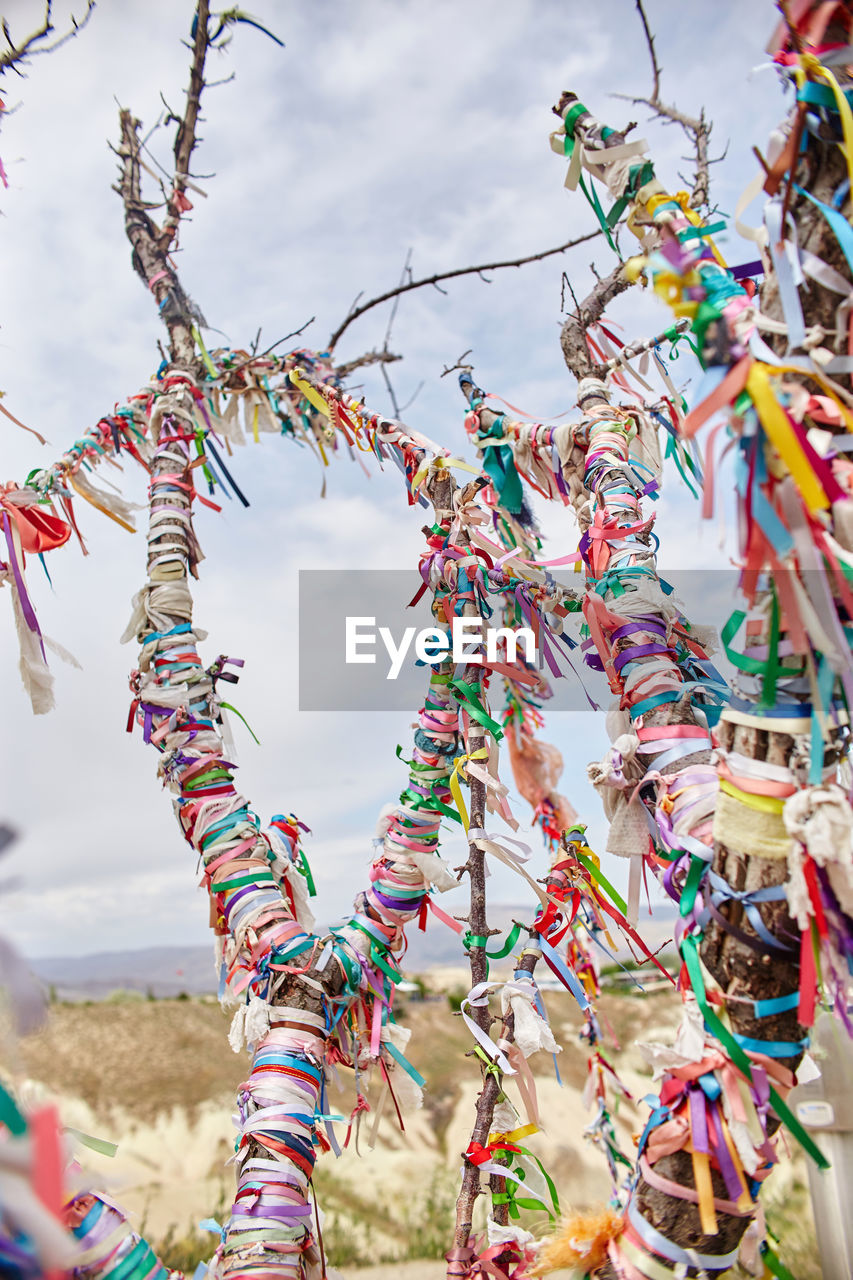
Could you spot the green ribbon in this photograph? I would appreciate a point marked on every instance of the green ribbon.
(590, 193)
(470, 940)
(350, 967)
(601, 879)
(690, 955)
(206, 471)
(698, 867)
(405, 1064)
(376, 954)
(100, 1145)
(239, 714)
(595, 204)
(141, 1255)
(572, 116)
(511, 939)
(464, 693)
(511, 1197)
(700, 233)
(304, 869)
(706, 314)
(10, 1116)
(676, 452)
(755, 666)
(499, 466)
(212, 775)
(238, 883)
(441, 806)
(489, 1067)
(772, 1262)
(768, 668)
(768, 687)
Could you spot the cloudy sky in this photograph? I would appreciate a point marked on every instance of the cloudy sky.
(381, 127)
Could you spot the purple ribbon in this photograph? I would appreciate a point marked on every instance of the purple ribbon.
(26, 607)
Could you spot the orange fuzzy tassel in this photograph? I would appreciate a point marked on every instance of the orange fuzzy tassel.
(580, 1241)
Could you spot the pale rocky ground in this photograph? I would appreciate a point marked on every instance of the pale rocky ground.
(158, 1078)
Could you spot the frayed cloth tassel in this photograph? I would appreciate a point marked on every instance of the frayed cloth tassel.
(579, 1242)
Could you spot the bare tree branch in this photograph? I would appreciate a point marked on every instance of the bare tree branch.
(407, 271)
(15, 55)
(697, 129)
(390, 389)
(369, 357)
(650, 42)
(589, 312)
(409, 285)
(185, 139)
(413, 397)
(450, 368)
(152, 244)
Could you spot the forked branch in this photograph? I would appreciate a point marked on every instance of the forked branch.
(16, 54)
(185, 138)
(573, 333)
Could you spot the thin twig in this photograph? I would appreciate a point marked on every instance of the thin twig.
(185, 138)
(294, 333)
(407, 271)
(698, 129)
(152, 244)
(369, 357)
(565, 284)
(589, 312)
(650, 43)
(15, 55)
(413, 397)
(390, 388)
(460, 363)
(356, 311)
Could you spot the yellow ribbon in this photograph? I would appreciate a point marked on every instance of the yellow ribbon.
(811, 66)
(69, 475)
(682, 199)
(456, 789)
(255, 423)
(764, 804)
(826, 385)
(361, 425)
(643, 1262)
(441, 463)
(210, 366)
(779, 432)
(704, 1190)
(516, 1135)
(311, 395)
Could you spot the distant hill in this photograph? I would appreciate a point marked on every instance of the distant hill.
(168, 971)
(164, 971)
